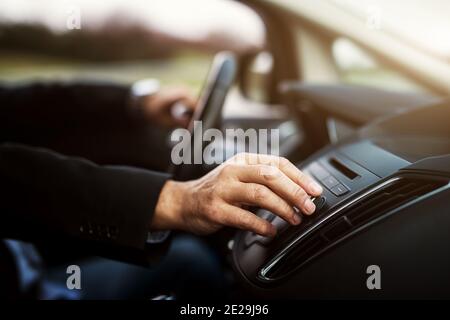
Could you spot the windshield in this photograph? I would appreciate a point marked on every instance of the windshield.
(423, 24)
(410, 37)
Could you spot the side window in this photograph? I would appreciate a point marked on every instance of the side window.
(257, 76)
(356, 66)
(123, 41)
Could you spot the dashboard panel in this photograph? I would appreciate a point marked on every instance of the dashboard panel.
(369, 184)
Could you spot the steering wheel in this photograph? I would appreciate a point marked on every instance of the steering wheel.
(208, 111)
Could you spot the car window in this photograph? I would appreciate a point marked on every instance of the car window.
(258, 75)
(423, 24)
(117, 40)
(408, 38)
(356, 66)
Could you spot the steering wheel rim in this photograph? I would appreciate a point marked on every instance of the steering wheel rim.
(208, 111)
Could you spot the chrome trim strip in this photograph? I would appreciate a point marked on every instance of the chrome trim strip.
(332, 131)
(264, 270)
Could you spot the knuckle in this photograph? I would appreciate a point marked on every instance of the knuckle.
(259, 193)
(286, 209)
(284, 162)
(205, 208)
(227, 170)
(211, 192)
(302, 177)
(213, 211)
(299, 193)
(268, 172)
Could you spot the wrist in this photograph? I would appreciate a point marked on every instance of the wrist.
(169, 208)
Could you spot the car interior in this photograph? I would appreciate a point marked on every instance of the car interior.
(383, 158)
(381, 155)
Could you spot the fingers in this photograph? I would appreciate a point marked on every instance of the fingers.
(189, 102)
(162, 107)
(302, 179)
(289, 169)
(278, 182)
(167, 101)
(181, 114)
(242, 219)
(261, 196)
(169, 96)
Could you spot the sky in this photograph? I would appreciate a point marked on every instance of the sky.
(191, 19)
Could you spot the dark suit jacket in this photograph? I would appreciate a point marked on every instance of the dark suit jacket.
(75, 199)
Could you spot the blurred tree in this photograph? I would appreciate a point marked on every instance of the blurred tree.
(111, 42)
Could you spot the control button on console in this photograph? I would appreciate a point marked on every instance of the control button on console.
(318, 171)
(280, 224)
(266, 215)
(339, 190)
(320, 202)
(330, 182)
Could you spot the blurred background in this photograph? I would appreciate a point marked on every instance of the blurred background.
(174, 40)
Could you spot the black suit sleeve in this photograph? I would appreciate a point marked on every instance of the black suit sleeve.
(92, 120)
(48, 107)
(48, 197)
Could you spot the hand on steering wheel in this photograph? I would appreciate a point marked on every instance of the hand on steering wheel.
(159, 107)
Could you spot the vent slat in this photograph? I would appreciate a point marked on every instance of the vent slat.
(419, 191)
(363, 205)
(359, 217)
(307, 249)
(390, 198)
(401, 187)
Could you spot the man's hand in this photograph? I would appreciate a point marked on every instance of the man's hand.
(158, 107)
(219, 198)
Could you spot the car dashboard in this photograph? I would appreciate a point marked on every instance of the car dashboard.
(386, 202)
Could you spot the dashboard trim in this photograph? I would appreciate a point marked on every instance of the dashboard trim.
(262, 275)
(267, 268)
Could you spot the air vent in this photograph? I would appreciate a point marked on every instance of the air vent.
(343, 222)
(393, 196)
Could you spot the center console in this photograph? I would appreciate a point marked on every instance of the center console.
(385, 189)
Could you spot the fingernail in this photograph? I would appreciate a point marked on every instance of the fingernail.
(296, 219)
(310, 206)
(315, 187)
